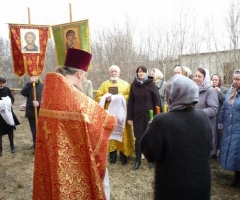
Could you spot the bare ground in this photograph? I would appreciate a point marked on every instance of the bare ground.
(16, 171)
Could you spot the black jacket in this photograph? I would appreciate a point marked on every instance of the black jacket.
(27, 91)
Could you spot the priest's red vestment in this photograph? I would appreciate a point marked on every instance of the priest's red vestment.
(71, 144)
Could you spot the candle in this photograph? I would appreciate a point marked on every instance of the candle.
(151, 114)
(165, 108)
(157, 109)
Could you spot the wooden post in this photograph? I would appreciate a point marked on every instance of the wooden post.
(35, 99)
(29, 18)
(70, 11)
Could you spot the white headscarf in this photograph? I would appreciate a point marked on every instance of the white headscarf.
(158, 75)
(188, 71)
(206, 78)
(180, 92)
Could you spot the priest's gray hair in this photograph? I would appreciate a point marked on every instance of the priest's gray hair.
(114, 67)
(67, 70)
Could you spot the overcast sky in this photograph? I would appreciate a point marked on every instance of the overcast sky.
(103, 13)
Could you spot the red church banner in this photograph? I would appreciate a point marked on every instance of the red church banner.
(29, 44)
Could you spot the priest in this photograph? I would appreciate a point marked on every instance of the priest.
(72, 138)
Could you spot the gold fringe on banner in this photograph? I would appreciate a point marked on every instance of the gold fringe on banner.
(49, 33)
(70, 23)
(28, 25)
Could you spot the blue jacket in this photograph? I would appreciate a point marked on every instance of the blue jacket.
(229, 157)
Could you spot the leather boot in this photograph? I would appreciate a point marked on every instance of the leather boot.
(113, 156)
(236, 179)
(150, 165)
(13, 150)
(10, 137)
(123, 158)
(138, 155)
(0, 151)
(0, 146)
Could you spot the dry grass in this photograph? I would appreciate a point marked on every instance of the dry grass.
(16, 172)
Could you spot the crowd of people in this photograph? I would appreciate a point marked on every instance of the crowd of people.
(75, 130)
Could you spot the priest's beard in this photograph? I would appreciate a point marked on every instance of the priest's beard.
(114, 78)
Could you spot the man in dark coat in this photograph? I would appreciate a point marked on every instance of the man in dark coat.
(27, 91)
(179, 142)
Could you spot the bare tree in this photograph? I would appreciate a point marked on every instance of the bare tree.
(5, 63)
(226, 50)
(115, 46)
(50, 59)
(232, 23)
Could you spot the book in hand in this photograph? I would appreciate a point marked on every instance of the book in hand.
(113, 90)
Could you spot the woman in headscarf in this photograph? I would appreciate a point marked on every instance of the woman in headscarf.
(229, 157)
(142, 98)
(160, 84)
(188, 72)
(179, 70)
(179, 142)
(9, 120)
(208, 102)
(221, 92)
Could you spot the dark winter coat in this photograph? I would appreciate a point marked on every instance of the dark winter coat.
(27, 91)
(221, 98)
(179, 142)
(142, 98)
(4, 127)
(208, 102)
(229, 157)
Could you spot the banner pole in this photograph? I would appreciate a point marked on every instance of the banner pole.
(29, 18)
(33, 84)
(35, 99)
(70, 11)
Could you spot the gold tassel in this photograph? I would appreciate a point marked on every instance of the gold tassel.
(49, 33)
(19, 82)
(40, 80)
